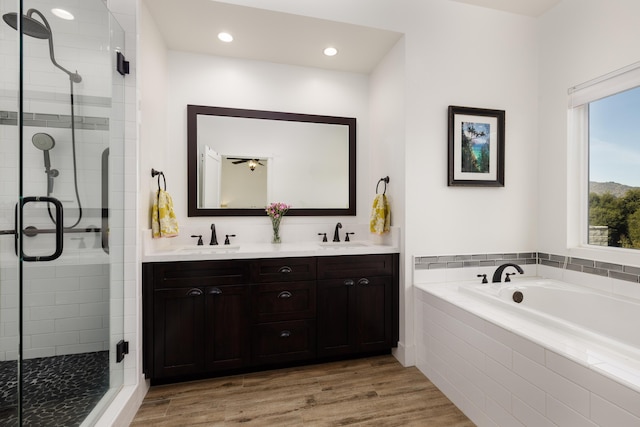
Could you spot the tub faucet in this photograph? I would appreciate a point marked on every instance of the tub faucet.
(497, 276)
(336, 234)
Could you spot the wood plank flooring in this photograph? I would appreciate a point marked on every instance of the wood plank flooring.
(364, 392)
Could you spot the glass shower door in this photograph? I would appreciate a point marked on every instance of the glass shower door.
(61, 231)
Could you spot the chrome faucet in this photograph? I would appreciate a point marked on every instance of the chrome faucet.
(336, 234)
(214, 238)
(497, 276)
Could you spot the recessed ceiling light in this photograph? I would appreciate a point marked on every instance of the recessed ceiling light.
(225, 37)
(61, 13)
(330, 51)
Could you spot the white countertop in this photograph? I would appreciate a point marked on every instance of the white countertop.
(265, 250)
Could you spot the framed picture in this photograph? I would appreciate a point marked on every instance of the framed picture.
(476, 147)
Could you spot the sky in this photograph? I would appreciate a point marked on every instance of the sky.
(614, 131)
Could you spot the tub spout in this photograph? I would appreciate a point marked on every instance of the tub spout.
(497, 276)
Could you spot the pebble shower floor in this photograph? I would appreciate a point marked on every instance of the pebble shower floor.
(58, 390)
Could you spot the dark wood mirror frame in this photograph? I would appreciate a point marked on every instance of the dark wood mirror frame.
(193, 111)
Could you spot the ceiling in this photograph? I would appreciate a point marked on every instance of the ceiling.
(259, 34)
(532, 8)
(269, 36)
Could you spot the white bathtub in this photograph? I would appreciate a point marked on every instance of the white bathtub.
(604, 318)
(566, 355)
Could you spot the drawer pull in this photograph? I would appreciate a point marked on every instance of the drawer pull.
(215, 291)
(349, 282)
(285, 270)
(363, 281)
(195, 292)
(285, 334)
(284, 295)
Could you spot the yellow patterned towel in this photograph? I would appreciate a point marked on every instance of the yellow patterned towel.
(163, 219)
(380, 215)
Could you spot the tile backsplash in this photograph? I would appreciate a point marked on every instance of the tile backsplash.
(582, 265)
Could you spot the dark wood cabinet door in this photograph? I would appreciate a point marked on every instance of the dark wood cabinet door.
(374, 313)
(178, 327)
(278, 342)
(226, 331)
(336, 311)
(279, 301)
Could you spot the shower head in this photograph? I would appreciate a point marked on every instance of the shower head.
(33, 28)
(30, 26)
(44, 142)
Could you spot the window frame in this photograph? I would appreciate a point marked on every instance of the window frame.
(578, 166)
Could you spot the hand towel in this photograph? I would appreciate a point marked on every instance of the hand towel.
(163, 218)
(380, 215)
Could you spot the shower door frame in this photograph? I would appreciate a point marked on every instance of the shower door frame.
(115, 185)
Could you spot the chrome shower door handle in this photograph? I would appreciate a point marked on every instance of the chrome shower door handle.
(59, 230)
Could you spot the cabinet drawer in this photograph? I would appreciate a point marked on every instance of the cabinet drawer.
(283, 269)
(284, 341)
(200, 273)
(284, 301)
(355, 266)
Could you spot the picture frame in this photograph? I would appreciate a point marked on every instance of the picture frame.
(476, 147)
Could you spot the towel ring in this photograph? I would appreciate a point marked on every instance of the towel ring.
(159, 174)
(386, 181)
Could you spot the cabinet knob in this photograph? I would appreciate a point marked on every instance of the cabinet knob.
(285, 269)
(285, 294)
(215, 291)
(363, 281)
(285, 334)
(349, 282)
(194, 292)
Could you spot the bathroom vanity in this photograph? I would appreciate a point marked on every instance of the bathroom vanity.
(205, 317)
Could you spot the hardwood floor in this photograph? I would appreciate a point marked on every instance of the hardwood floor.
(364, 392)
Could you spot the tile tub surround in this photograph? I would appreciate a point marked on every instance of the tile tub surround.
(498, 375)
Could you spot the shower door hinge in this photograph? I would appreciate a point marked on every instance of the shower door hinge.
(122, 65)
(122, 348)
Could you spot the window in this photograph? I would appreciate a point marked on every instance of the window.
(607, 119)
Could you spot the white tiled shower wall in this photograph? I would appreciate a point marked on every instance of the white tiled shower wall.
(66, 306)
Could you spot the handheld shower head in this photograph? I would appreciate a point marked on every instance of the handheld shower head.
(33, 28)
(45, 142)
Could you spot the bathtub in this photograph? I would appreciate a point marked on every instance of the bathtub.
(563, 355)
(606, 319)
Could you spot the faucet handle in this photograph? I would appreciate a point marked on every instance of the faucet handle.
(199, 236)
(324, 236)
(484, 278)
(226, 240)
(346, 239)
(508, 279)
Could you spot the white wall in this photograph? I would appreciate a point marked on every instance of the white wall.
(579, 40)
(153, 112)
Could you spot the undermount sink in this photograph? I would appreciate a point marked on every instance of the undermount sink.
(212, 249)
(341, 245)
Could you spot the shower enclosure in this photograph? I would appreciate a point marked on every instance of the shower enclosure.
(61, 211)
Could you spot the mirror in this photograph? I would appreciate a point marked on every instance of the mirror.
(239, 161)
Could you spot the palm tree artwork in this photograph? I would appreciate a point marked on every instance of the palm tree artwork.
(475, 147)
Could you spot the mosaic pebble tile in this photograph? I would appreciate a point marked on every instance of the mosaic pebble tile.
(58, 390)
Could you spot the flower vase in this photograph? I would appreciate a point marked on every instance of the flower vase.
(275, 223)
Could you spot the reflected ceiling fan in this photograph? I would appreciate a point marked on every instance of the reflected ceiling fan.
(253, 163)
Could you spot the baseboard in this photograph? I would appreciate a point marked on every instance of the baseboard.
(406, 355)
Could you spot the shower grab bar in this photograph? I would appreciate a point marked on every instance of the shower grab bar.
(31, 231)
